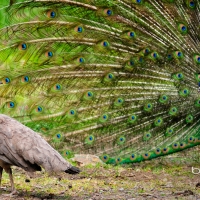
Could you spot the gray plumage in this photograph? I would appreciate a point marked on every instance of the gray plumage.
(22, 147)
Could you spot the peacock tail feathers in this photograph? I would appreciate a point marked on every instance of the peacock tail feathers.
(115, 78)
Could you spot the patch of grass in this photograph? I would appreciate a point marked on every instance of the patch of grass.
(130, 181)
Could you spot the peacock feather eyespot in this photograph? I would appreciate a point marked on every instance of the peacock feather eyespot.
(178, 76)
(165, 150)
(68, 154)
(119, 102)
(169, 57)
(189, 118)
(197, 103)
(104, 118)
(131, 34)
(108, 12)
(89, 95)
(182, 145)
(109, 77)
(11, 104)
(81, 60)
(132, 119)
(169, 132)
(25, 79)
(118, 160)
(121, 140)
(129, 65)
(191, 139)
(178, 54)
(39, 109)
(146, 155)
(196, 58)
(191, 4)
(184, 92)
(49, 54)
(175, 145)
(163, 99)
(148, 107)
(147, 136)
(58, 87)
(137, 1)
(182, 28)
(79, 29)
(6, 80)
(154, 56)
(58, 136)
(105, 158)
(140, 60)
(23, 46)
(133, 157)
(146, 51)
(197, 76)
(72, 112)
(89, 139)
(105, 44)
(51, 14)
(158, 121)
(173, 111)
(158, 151)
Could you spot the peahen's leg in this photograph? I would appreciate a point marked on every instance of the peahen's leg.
(1, 171)
(13, 190)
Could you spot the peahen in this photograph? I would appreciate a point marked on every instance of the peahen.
(22, 147)
(116, 78)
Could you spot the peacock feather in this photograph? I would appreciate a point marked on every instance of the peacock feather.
(116, 78)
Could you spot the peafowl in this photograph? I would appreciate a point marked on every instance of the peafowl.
(116, 78)
(22, 147)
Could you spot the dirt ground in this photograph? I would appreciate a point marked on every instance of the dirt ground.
(149, 180)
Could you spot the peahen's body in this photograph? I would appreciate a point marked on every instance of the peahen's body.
(115, 78)
(22, 147)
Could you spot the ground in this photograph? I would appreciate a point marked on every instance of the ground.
(158, 179)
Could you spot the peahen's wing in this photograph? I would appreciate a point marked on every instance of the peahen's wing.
(21, 146)
(116, 78)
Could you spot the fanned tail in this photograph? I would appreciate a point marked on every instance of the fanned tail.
(116, 78)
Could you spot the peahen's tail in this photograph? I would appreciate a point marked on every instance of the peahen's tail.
(115, 78)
